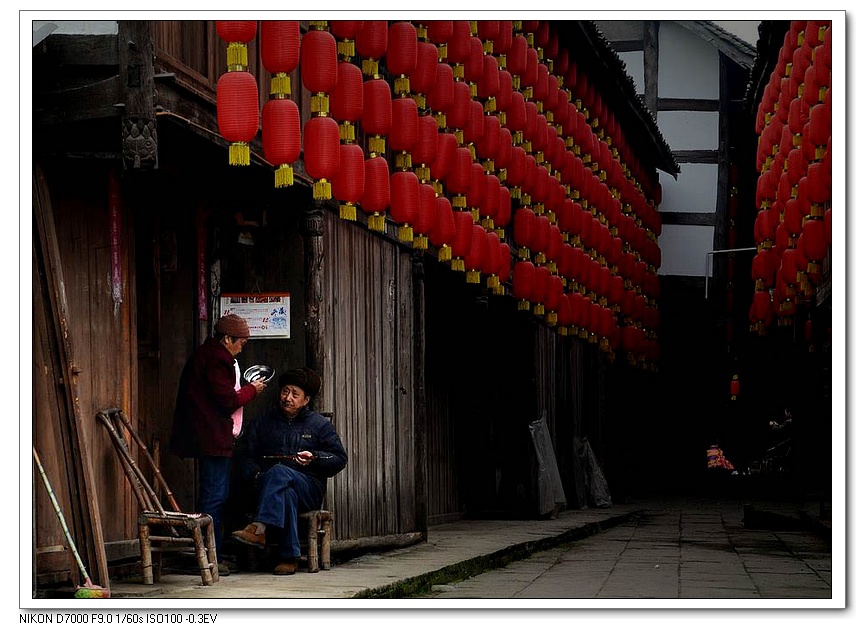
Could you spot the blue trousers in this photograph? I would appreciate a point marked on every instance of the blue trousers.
(214, 479)
(285, 492)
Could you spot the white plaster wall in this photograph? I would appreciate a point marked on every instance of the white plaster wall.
(684, 249)
(73, 27)
(634, 67)
(687, 65)
(695, 190)
(689, 130)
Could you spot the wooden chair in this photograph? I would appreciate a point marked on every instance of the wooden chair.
(160, 530)
(319, 526)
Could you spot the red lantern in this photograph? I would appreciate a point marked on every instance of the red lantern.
(280, 135)
(517, 55)
(441, 94)
(440, 32)
(426, 216)
(458, 47)
(237, 33)
(423, 76)
(237, 113)
(552, 298)
(371, 45)
(523, 283)
(280, 53)
(475, 258)
(459, 111)
(404, 130)
(348, 184)
(345, 31)
(443, 232)
(404, 201)
(376, 192)
(318, 68)
(445, 156)
(424, 152)
(346, 99)
(377, 117)
(504, 270)
(321, 153)
(401, 56)
(462, 240)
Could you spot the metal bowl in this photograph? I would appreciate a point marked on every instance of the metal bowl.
(259, 372)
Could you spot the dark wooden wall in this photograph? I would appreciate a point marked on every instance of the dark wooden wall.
(369, 379)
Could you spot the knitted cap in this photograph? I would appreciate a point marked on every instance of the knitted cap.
(233, 325)
(303, 377)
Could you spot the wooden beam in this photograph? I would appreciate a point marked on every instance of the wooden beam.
(688, 218)
(687, 104)
(700, 156)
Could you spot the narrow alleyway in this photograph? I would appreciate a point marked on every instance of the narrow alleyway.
(673, 551)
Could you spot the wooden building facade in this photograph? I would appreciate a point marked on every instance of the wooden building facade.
(140, 224)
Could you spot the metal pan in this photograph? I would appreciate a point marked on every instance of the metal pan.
(259, 372)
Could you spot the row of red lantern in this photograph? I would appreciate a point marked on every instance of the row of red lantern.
(793, 225)
(376, 169)
(320, 77)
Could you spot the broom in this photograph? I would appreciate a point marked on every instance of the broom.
(88, 590)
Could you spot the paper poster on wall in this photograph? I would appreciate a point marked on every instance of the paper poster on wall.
(266, 313)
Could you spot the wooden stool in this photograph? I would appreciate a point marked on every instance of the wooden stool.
(319, 525)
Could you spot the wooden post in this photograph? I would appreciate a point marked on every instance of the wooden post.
(313, 262)
(420, 407)
(79, 481)
(135, 56)
(650, 66)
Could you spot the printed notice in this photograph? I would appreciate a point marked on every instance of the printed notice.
(266, 313)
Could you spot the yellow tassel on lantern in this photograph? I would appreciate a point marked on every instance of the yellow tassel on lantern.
(401, 85)
(376, 144)
(345, 48)
(524, 305)
(500, 232)
(445, 253)
(458, 264)
(552, 318)
(348, 211)
(376, 222)
(284, 176)
(422, 172)
(503, 118)
(420, 100)
(321, 190)
(238, 154)
(280, 84)
(476, 214)
(320, 103)
(490, 105)
(347, 132)
(516, 193)
(403, 160)
(420, 242)
(538, 310)
(487, 223)
(369, 67)
(459, 69)
(523, 253)
(459, 201)
(236, 55)
(405, 233)
(563, 330)
(493, 282)
(473, 277)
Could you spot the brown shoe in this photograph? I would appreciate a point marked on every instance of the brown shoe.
(249, 536)
(286, 566)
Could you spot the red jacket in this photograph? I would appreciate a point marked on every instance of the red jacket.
(205, 401)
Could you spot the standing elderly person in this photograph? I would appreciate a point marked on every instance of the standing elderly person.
(208, 415)
(289, 452)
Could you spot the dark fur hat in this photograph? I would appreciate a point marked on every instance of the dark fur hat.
(303, 377)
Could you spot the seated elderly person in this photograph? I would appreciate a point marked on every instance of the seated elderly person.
(289, 452)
